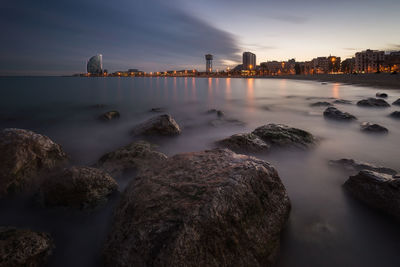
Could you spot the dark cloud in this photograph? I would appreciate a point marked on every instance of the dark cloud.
(58, 36)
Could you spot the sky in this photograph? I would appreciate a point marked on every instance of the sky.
(44, 37)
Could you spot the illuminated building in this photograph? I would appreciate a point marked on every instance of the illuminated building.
(249, 61)
(95, 65)
(369, 61)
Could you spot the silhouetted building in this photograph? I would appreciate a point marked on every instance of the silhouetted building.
(348, 65)
(209, 59)
(369, 61)
(95, 65)
(249, 61)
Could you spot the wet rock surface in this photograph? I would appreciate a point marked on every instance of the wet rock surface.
(244, 142)
(395, 114)
(373, 102)
(373, 128)
(377, 190)
(210, 208)
(24, 156)
(110, 115)
(78, 187)
(336, 114)
(22, 247)
(159, 125)
(342, 101)
(280, 135)
(356, 166)
(397, 102)
(321, 104)
(135, 156)
(382, 95)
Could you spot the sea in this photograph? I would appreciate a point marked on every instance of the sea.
(327, 227)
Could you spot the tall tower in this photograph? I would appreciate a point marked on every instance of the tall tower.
(249, 61)
(209, 59)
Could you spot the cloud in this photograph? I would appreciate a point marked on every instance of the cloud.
(61, 35)
(290, 18)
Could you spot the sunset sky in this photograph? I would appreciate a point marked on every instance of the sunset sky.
(57, 37)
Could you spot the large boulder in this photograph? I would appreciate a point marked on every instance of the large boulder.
(397, 102)
(159, 125)
(395, 114)
(22, 247)
(280, 135)
(132, 157)
(244, 142)
(78, 187)
(336, 114)
(373, 128)
(381, 95)
(377, 190)
(24, 156)
(210, 208)
(356, 166)
(373, 102)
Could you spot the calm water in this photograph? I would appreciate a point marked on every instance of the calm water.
(326, 226)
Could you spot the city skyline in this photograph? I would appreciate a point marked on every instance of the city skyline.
(46, 38)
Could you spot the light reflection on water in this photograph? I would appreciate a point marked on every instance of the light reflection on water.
(326, 227)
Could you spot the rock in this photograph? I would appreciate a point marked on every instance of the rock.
(373, 128)
(321, 104)
(382, 95)
(157, 110)
(373, 102)
(135, 156)
(22, 247)
(25, 156)
(356, 166)
(336, 114)
(397, 102)
(342, 101)
(280, 135)
(224, 121)
(159, 125)
(324, 83)
(216, 111)
(395, 114)
(377, 190)
(78, 187)
(110, 115)
(210, 208)
(244, 142)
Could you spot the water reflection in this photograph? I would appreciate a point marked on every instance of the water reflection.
(250, 93)
(335, 90)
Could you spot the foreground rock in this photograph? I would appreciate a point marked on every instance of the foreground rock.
(336, 114)
(78, 187)
(377, 190)
(397, 102)
(110, 115)
(382, 95)
(244, 142)
(284, 136)
(159, 125)
(24, 156)
(395, 114)
(356, 166)
(321, 104)
(21, 247)
(373, 128)
(135, 156)
(211, 208)
(342, 101)
(373, 102)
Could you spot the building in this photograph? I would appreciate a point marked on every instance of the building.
(348, 65)
(95, 65)
(392, 62)
(278, 67)
(369, 61)
(334, 64)
(249, 61)
(209, 59)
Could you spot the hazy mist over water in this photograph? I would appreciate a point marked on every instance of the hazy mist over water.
(326, 226)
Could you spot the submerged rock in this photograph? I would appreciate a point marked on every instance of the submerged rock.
(321, 104)
(336, 114)
(224, 121)
(24, 156)
(282, 135)
(135, 156)
(373, 128)
(22, 247)
(219, 113)
(159, 125)
(373, 102)
(377, 190)
(210, 208)
(397, 102)
(157, 110)
(110, 115)
(244, 142)
(78, 187)
(395, 114)
(356, 166)
(382, 95)
(342, 101)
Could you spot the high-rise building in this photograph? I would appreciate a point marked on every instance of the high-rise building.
(249, 61)
(369, 61)
(209, 59)
(95, 65)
